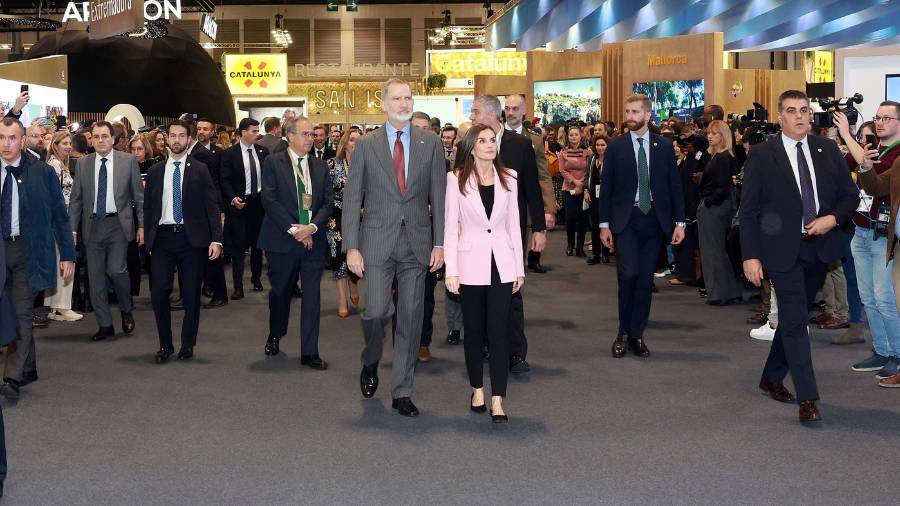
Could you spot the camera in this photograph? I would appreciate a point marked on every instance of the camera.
(825, 119)
(758, 129)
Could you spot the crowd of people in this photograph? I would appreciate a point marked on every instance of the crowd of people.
(404, 205)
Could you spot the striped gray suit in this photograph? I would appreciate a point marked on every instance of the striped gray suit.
(395, 238)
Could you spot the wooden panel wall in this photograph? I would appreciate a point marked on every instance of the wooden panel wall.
(745, 98)
(501, 85)
(610, 107)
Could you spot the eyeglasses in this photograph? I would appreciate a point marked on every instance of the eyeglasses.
(884, 119)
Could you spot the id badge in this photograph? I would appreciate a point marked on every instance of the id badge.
(597, 192)
(307, 201)
(865, 202)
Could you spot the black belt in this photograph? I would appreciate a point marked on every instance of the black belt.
(172, 228)
(107, 215)
(13, 238)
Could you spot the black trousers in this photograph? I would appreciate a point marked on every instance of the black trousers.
(242, 228)
(686, 255)
(214, 278)
(576, 220)
(2, 447)
(283, 271)
(485, 309)
(171, 251)
(637, 250)
(790, 351)
(597, 247)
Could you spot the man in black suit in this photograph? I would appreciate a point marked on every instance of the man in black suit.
(298, 199)
(241, 173)
(641, 202)
(517, 153)
(796, 193)
(321, 149)
(181, 232)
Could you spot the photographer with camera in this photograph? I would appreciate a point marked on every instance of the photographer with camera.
(873, 260)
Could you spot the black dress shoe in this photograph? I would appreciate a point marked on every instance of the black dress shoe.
(368, 380)
(164, 353)
(298, 292)
(594, 260)
(618, 347)
(604, 259)
(272, 345)
(186, 353)
(127, 322)
(103, 333)
(12, 385)
(238, 294)
(405, 406)
(257, 286)
(537, 268)
(313, 362)
(476, 409)
(453, 337)
(638, 348)
(498, 418)
(518, 365)
(39, 322)
(570, 252)
(580, 253)
(215, 303)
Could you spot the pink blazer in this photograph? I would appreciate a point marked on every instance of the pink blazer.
(470, 238)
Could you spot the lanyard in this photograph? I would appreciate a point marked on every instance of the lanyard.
(892, 146)
(298, 172)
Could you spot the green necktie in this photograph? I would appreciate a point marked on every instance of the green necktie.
(301, 189)
(643, 179)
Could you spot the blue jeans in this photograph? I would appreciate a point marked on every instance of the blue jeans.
(876, 289)
(853, 300)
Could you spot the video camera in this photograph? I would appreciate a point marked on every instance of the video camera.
(757, 126)
(825, 119)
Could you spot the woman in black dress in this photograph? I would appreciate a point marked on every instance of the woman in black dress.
(339, 170)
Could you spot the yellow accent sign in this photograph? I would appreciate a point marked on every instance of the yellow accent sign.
(256, 74)
(823, 67)
(466, 64)
(657, 61)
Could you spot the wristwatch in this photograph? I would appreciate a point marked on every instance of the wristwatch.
(680, 224)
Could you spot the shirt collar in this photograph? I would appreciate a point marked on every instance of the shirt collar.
(519, 130)
(646, 137)
(14, 165)
(791, 143)
(244, 147)
(108, 156)
(295, 156)
(392, 132)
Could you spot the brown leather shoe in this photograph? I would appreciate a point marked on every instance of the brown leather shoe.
(776, 391)
(890, 381)
(676, 282)
(424, 354)
(831, 323)
(809, 412)
(818, 320)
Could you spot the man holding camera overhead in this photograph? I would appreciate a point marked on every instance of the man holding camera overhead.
(873, 257)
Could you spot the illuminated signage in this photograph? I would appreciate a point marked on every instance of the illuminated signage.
(358, 70)
(823, 67)
(209, 26)
(256, 74)
(152, 10)
(467, 64)
(658, 61)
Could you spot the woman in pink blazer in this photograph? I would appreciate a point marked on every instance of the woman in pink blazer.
(483, 255)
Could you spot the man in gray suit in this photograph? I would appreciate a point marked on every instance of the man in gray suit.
(399, 171)
(106, 196)
(272, 139)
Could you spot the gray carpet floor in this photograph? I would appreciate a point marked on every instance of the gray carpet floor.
(105, 425)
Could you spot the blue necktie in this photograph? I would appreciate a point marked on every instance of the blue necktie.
(6, 203)
(807, 194)
(101, 189)
(176, 193)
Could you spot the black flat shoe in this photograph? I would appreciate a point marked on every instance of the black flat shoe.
(498, 418)
(186, 353)
(405, 406)
(638, 348)
(593, 260)
(215, 303)
(164, 353)
(368, 381)
(272, 345)
(476, 409)
(453, 337)
(580, 253)
(257, 286)
(103, 333)
(237, 294)
(618, 347)
(537, 268)
(127, 322)
(570, 252)
(518, 365)
(12, 385)
(313, 362)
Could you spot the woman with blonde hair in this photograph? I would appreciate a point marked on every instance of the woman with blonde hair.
(59, 300)
(714, 216)
(339, 170)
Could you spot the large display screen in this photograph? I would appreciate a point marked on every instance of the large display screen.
(673, 99)
(892, 87)
(45, 102)
(557, 102)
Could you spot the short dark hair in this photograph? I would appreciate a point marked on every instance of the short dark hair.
(271, 123)
(420, 115)
(791, 95)
(119, 131)
(450, 128)
(10, 121)
(319, 127)
(246, 123)
(207, 120)
(891, 103)
(103, 124)
(716, 111)
(180, 123)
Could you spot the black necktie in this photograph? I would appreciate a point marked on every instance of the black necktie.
(254, 179)
(807, 195)
(101, 189)
(6, 207)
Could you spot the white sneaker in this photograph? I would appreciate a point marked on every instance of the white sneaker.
(663, 273)
(764, 333)
(65, 315)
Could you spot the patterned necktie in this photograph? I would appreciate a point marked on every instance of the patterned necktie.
(254, 178)
(301, 189)
(643, 179)
(6, 203)
(399, 163)
(101, 189)
(807, 195)
(176, 194)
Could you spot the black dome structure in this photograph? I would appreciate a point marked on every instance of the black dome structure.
(160, 70)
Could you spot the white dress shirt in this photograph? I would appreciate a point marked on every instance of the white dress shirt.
(168, 209)
(790, 146)
(246, 157)
(110, 194)
(15, 194)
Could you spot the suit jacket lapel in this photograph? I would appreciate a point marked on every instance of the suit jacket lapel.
(90, 162)
(387, 159)
(784, 163)
(416, 152)
(818, 160)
